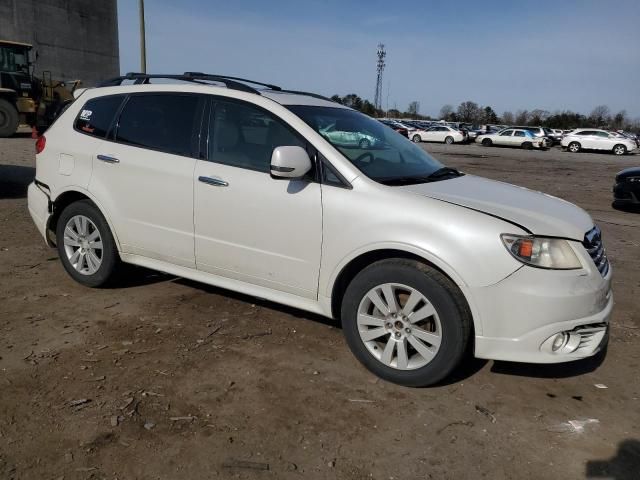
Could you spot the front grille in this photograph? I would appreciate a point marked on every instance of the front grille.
(593, 243)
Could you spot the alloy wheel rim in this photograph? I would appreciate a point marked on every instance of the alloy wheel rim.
(83, 245)
(619, 150)
(399, 326)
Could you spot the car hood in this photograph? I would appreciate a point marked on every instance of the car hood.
(537, 212)
(628, 172)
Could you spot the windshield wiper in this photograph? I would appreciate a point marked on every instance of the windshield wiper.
(445, 172)
(440, 174)
(403, 180)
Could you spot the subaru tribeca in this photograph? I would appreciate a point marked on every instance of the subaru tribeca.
(214, 180)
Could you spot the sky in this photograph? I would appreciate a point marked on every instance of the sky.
(510, 55)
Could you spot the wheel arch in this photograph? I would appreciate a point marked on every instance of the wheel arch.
(354, 264)
(66, 198)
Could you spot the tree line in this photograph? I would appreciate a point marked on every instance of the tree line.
(471, 112)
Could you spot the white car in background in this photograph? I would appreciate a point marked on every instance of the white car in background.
(594, 139)
(512, 137)
(440, 133)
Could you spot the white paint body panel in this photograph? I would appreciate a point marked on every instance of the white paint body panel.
(288, 240)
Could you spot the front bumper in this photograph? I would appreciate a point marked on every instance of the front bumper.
(38, 203)
(521, 315)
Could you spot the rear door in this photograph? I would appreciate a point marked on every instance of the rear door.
(143, 175)
(249, 226)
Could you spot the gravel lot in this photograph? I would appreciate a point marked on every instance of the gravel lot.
(165, 378)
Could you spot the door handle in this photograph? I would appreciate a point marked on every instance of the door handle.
(216, 182)
(108, 159)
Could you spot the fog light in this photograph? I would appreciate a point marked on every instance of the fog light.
(559, 341)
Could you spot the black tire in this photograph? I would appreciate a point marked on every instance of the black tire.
(416, 139)
(110, 260)
(364, 144)
(527, 145)
(486, 142)
(448, 140)
(9, 119)
(442, 293)
(574, 147)
(619, 149)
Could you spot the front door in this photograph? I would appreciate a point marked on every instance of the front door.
(249, 226)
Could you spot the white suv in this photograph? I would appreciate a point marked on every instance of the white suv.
(594, 139)
(213, 180)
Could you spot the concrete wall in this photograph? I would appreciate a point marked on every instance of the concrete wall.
(75, 39)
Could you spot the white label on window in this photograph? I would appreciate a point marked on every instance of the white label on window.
(85, 114)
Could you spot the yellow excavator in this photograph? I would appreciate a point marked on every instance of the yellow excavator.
(24, 98)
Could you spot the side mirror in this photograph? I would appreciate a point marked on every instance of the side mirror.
(289, 162)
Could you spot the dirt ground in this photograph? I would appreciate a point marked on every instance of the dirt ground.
(163, 378)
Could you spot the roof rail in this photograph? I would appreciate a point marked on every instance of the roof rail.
(200, 75)
(234, 83)
(143, 78)
(308, 94)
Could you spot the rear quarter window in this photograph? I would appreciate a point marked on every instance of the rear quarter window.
(96, 116)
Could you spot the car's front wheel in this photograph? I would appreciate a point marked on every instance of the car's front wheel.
(364, 144)
(487, 142)
(619, 150)
(574, 147)
(85, 244)
(406, 322)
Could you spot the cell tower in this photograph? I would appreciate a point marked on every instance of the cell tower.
(377, 101)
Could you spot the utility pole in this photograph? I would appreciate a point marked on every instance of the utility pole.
(143, 43)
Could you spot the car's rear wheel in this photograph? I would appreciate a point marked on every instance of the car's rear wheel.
(364, 143)
(486, 142)
(8, 119)
(416, 139)
(619, 150)
(574, 147)
(85, 244)
(406, 322)
(448, 140)
(527, 145)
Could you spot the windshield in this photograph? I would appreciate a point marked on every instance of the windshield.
(13, 59)
(376, 150)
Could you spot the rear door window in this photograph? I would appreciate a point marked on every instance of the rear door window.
(519, 133)
(166, 122)
(96, 116)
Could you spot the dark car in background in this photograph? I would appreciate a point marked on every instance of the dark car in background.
(398, 128)
(626, 190)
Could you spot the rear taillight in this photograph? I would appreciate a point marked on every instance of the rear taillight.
(40, 144)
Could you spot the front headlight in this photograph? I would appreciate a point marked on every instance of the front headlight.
(541, 252)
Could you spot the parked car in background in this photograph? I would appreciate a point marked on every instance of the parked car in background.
(626, 190)
(554, 135)
(630, 136)
(512, 137)
(439, 133)
(540, 132)
(401, 130)
(344, 134)
(594, 139)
